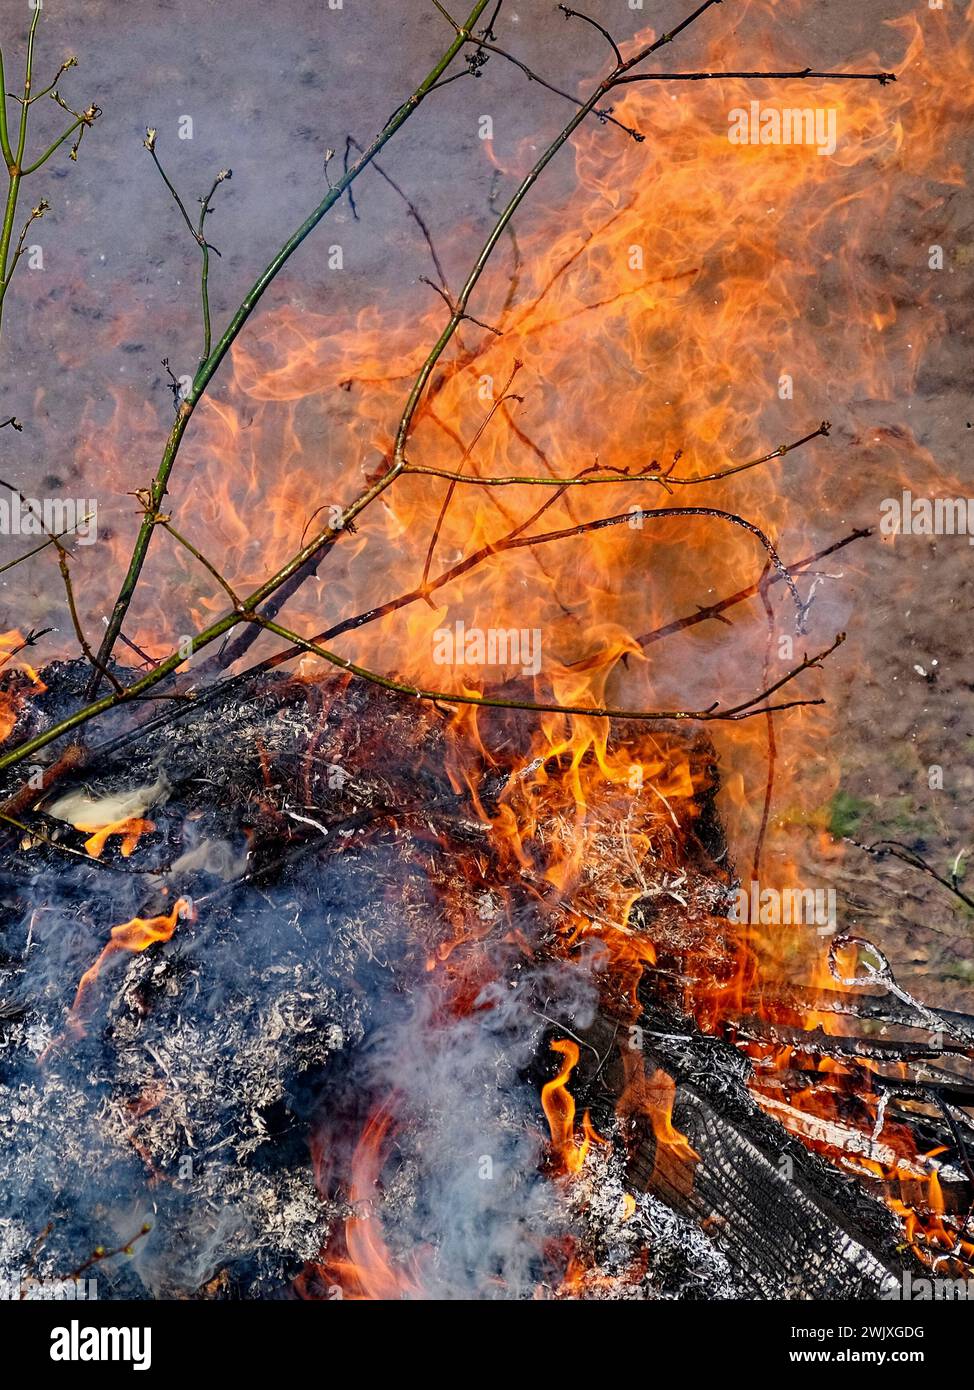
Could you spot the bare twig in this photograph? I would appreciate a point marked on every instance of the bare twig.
(167, 525)
(196, 232)
(745, 709)
(881, 77)
(62, 559)
(716, 610)
(651, 473)
(915, 861)
(577, 14)
(413, 211)
(604, 114)
(102, 1253)
(494, 407)
(772, 744)
(32, 638)
(51, 540)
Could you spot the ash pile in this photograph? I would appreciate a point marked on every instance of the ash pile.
(280, 1096)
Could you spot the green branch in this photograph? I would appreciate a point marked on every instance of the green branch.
(17, 169)
(250, 301)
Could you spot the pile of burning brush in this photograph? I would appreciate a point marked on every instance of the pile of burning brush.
(435, 983)
(360, 1031)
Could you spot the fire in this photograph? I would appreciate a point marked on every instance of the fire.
(652, 1097)
(569, 1152)
(366, 1268)
(136, 935)
(12, 696)
(689, 306)
(130, 830)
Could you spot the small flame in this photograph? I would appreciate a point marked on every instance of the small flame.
(558, 1103)
(11, 700)
(366, 1270)
(136, 935)
(130, 830)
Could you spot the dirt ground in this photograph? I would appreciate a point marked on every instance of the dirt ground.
(268, 87)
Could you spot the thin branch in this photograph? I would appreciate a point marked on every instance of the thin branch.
(62, 559)
(715, 610)
(32, 638)
(83, 120)
(494, 407)
(577, 14)
(167, 525)
(5, 149)
(426, 371)
(881, 77)
(71, 62)
(149, 143)
(206, 247)
(488, 30)
(447, 16)
(250, 301)
(915, 861)
(13, 151)
(604, 114)
(744, 710)
(413, 211)
(657, 513)
(763, 586)
(651, 473)
(35, 214)
(196, 232)
(51, 540)
(100, 1253)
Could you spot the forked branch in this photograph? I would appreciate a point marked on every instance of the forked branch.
(13, 147)
(245, 610)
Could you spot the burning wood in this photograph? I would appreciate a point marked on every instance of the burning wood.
(471, 958)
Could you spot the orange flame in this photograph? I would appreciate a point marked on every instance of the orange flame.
(367, 1271)
(136, 935)
(131, 830)
(558, 1104)
(12, 699)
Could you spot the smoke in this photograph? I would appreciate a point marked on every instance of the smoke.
(464, 1120)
